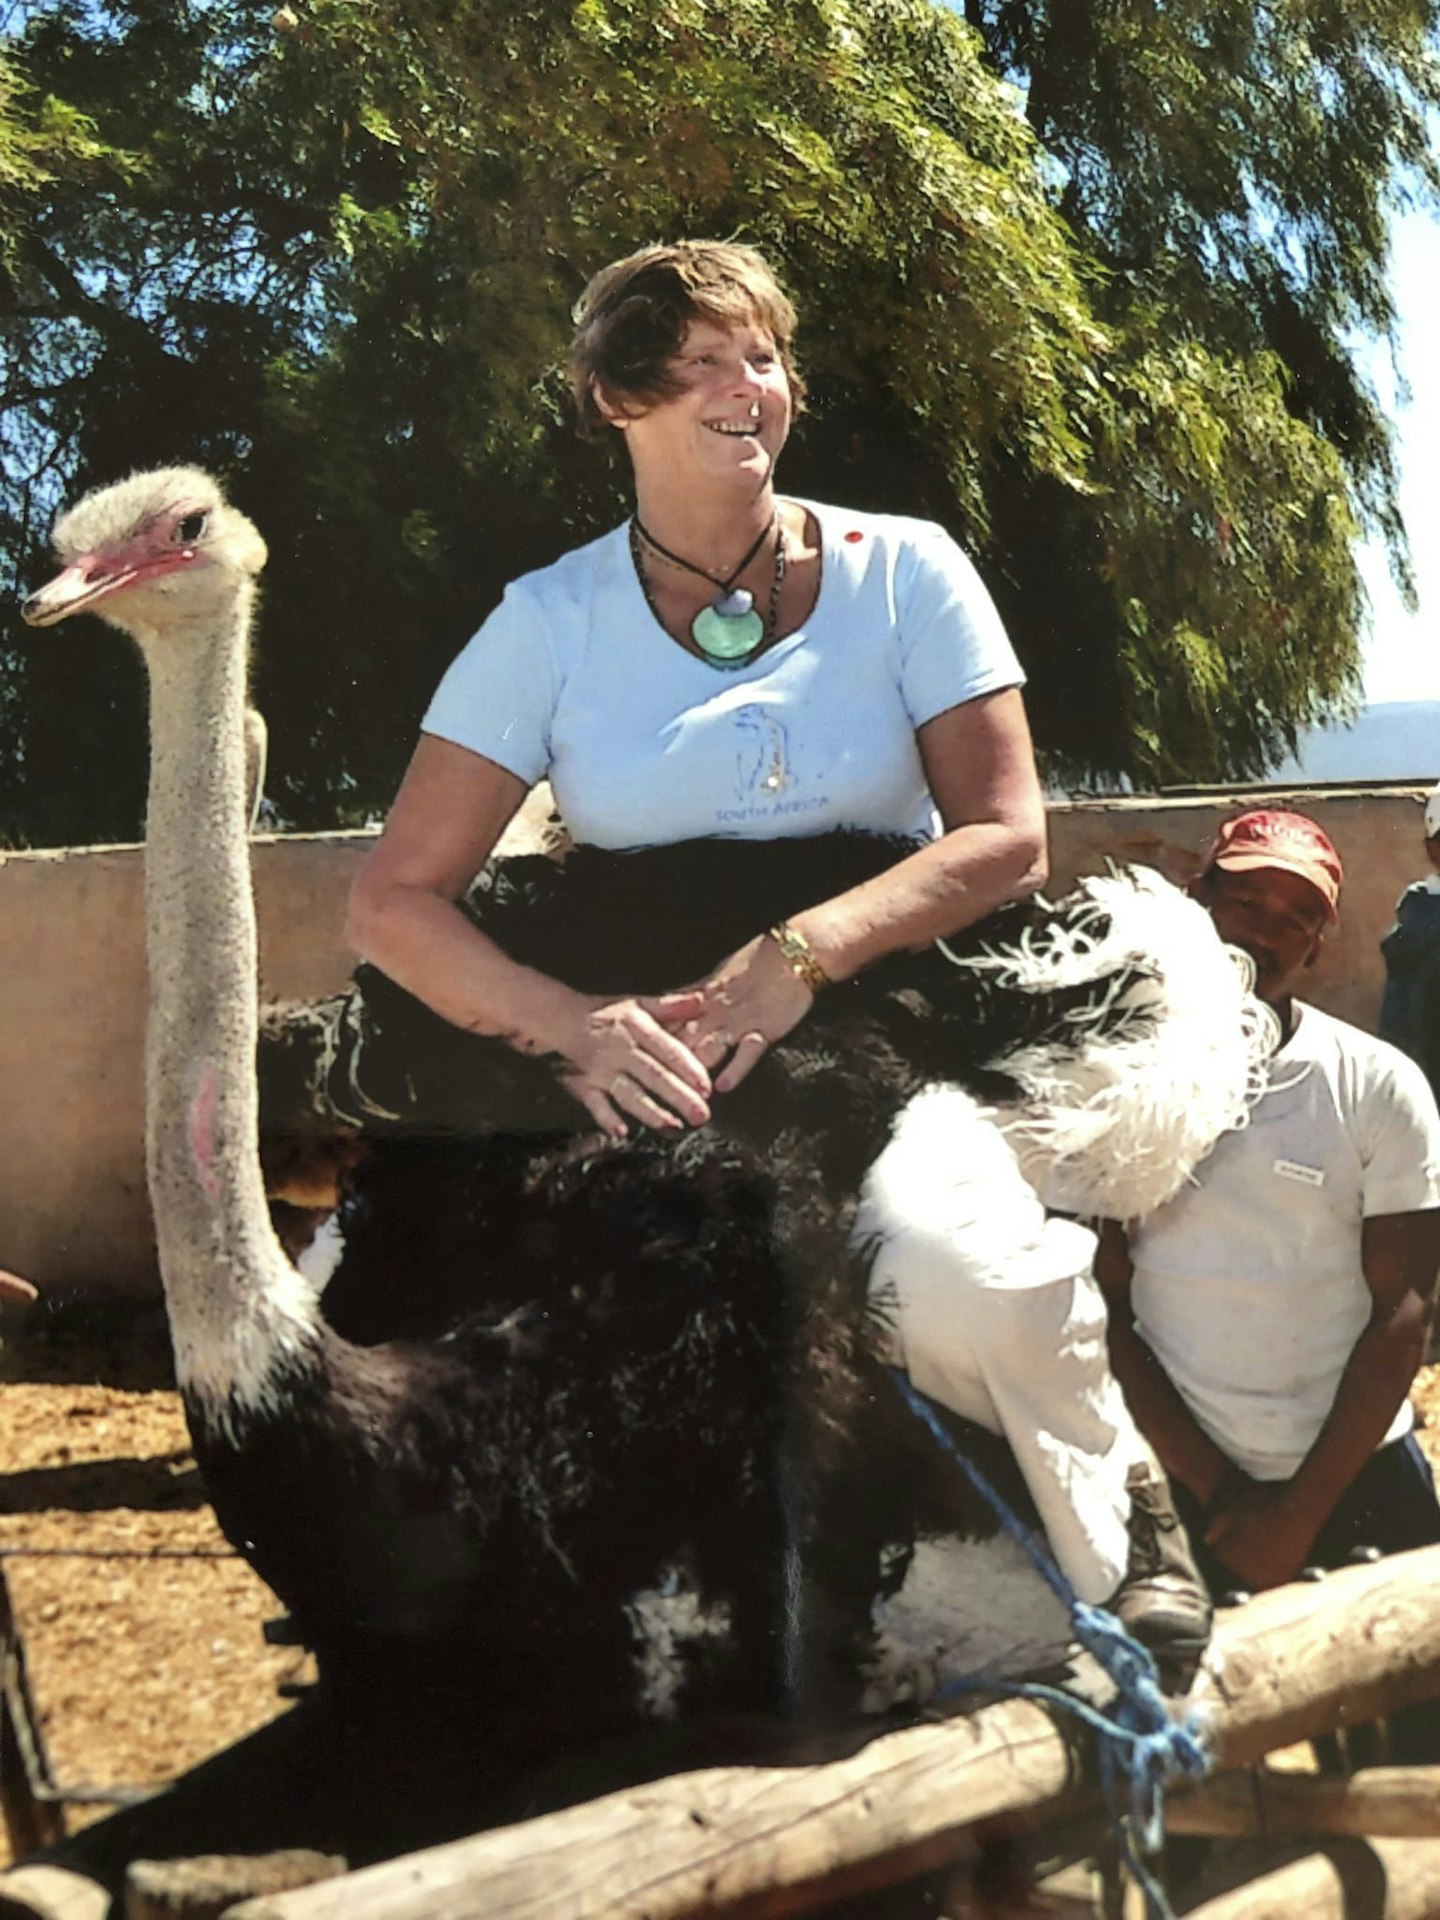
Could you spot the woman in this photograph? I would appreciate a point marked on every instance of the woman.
(736, 663)
(592, 672)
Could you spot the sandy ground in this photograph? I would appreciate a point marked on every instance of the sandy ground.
(141, 1626)
(142, 1629)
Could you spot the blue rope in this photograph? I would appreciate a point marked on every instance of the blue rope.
(1138, 1741)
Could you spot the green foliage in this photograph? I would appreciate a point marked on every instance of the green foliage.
(1232, 163)
(1096, 315)
(40, 139)
(1229, 164)
(1225, 498)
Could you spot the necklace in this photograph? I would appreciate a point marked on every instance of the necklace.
(729, 632)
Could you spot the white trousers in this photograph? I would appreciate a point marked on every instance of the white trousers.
(993, 1310)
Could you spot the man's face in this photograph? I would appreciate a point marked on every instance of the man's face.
(1274, 916)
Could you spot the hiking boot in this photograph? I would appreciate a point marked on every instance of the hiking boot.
(1162, 1601)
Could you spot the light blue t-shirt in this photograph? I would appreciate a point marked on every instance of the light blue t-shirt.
(572, 678)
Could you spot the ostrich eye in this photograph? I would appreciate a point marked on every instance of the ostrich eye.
(190, 528)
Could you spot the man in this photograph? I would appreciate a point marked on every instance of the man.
(1410, 1011)
(1267, 1323)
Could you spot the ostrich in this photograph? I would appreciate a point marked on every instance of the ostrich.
(631, 1455)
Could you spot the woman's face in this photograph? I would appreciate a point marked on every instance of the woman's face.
(730, 418)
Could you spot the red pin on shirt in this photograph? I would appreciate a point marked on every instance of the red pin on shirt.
(853, 535)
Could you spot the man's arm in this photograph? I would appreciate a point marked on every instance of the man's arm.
(1185, 1450)
(1265, 1535)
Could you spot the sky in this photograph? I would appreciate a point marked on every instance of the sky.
(1402, 661)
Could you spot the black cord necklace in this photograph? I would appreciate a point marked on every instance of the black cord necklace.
(729, 632)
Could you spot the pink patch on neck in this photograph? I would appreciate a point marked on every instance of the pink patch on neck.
(200, 1129)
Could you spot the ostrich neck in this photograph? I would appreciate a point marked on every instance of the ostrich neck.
(237, 1307)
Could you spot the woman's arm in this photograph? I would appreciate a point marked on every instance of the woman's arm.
(981, 771)
(449, 813)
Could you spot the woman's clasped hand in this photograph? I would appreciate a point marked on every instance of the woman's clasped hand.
(748, 1003)
(657, 1058)
(627, 1061)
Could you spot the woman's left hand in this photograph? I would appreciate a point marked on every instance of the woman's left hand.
(749, 1002)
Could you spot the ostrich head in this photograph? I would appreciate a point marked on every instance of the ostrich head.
(158, 551)
(164, 558)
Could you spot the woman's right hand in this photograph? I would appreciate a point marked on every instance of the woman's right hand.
(624, 1062)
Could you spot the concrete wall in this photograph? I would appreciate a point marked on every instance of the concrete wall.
(73, 1209)
(73, 1212)
(1379, 833)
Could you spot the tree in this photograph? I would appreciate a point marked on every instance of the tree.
(1229, 165)
(330, 249)
(146, 293)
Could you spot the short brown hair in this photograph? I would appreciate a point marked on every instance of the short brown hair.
(634, 315)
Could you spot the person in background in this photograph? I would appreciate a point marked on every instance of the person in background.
(1410, 1010)
(1267, 1323)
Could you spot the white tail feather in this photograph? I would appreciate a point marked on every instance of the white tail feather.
(1114, 1124)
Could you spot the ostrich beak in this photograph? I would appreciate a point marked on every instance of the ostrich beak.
(93, 578)
(12, 1287)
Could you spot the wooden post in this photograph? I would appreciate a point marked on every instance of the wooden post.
(1298, 1661)
(759, 1842)
(1350, 1880)
(206, 1886)
(1401, 1803)
(714, 1841)
(32, 1819)
(52, 1893)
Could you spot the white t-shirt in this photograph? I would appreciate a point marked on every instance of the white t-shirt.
(1248, 1286)
(644, 744)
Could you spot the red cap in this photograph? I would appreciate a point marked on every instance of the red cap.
(1267, 837)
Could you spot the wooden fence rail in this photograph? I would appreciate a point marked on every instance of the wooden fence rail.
(1396, 1803)
(767, 1841)
(1349, 1880)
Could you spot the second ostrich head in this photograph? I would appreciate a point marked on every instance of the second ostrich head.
(158, 555)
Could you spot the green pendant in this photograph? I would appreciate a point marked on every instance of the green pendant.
(727, 640)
